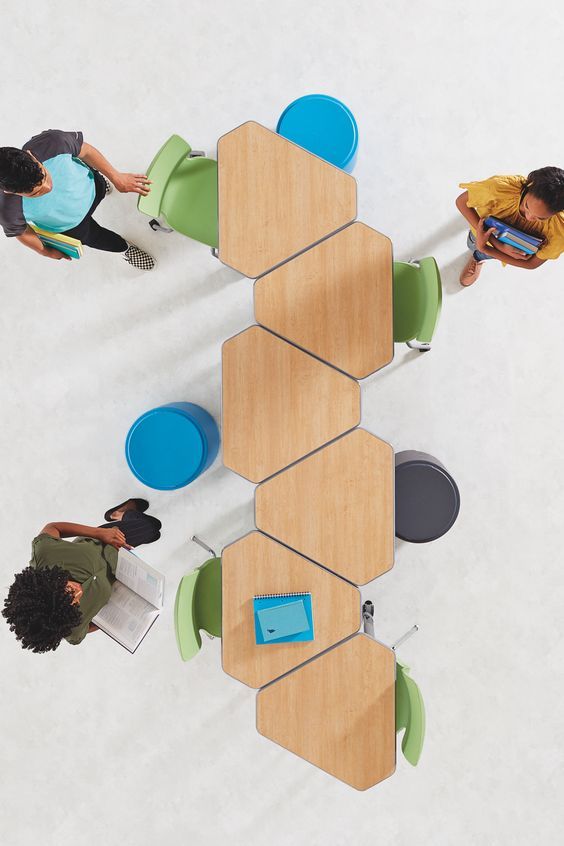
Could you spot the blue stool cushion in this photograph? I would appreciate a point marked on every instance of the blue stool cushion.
(324, 126)
(170, 446)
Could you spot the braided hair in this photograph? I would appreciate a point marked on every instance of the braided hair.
(39, 608)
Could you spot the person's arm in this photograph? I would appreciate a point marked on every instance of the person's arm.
(506, 250)
(30, 239)
(484, 235)
(124, 182)
(114, 537)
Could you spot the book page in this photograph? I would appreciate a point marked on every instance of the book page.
(127, 617)
(142, 579)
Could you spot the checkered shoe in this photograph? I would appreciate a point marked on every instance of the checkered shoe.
(109, 186)
(138, 258)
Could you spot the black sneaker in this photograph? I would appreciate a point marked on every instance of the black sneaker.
(138, 258)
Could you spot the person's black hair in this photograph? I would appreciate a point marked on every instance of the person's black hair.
(39, 608)
(19, 173)
(547, 184)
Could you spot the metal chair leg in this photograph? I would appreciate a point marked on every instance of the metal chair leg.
(157, 226)
(196, 154)
(368, 617)
(203, 545)
(418, 345)
(406, 636)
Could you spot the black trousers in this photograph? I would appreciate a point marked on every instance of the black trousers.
(137, 527)
(90, 232)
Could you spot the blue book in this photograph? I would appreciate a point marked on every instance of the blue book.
(283, 618)
(510, 235)
(525, 248)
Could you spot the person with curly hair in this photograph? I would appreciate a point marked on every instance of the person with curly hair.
(65, 584)
(532, 204)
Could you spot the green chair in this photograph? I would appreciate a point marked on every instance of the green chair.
(417, 302)
(410, 711)
(410, 714)
(198, 606)
(183, 191)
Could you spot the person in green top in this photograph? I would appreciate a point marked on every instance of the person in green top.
(66, 584)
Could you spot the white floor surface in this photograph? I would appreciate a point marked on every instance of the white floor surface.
(104, 749)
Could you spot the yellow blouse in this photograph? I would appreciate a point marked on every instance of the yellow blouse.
(500, 196)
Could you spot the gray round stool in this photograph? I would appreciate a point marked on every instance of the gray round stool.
(427, 497)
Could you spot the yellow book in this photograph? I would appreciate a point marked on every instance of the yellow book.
(69, 246)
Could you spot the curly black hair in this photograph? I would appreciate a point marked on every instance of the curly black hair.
(547, 184)
(19, 173)
(39, 608)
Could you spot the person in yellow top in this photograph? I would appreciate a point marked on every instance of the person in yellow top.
(533, 204)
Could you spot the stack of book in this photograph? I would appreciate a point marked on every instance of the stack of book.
(514, 237)
(69, 246)
(283, 618)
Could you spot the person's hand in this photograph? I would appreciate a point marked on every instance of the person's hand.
(113, 537)
(483, 235)
(132, 183)
(55, 254)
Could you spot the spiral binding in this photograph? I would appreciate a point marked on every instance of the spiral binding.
(276, 595)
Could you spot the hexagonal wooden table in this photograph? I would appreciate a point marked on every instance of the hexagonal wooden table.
(335, 300)
(257, 565)
(337, 712)
(279, 403)
(275, 199)
(336, 506)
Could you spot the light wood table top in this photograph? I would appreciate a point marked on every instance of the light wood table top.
(337, 712)
(336, 506)
(257, 565)
(335, 300)
(279, 403)
(275, 199)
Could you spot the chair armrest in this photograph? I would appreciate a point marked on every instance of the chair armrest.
(160, 171)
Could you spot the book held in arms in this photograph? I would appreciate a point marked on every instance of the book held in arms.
(63, 243)
(283, 618)
(514, 237)
(135, 602)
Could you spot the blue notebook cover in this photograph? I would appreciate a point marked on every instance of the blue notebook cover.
(283, 618)
(506, 230)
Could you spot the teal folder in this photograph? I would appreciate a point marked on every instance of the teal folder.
(283, 618)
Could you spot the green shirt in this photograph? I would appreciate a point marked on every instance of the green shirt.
(89, 562)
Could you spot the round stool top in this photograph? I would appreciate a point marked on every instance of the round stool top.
(322, 125)
(427, 501)
(165, 448)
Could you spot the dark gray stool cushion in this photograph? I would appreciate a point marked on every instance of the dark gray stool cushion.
(427, 497)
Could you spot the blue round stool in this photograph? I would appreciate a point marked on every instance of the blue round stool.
(324, 126)
(170, 446)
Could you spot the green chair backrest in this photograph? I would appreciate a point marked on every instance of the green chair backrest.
(184, 190)
(171, 154)
(410, 714)
(417, 300)
(198, 607)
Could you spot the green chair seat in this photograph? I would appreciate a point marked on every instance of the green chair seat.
(184, 191)
(417, 300)
(410, 715)
(198, 607)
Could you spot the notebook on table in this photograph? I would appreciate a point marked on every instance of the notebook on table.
(510, 235)
(64, 243)
(283, 618)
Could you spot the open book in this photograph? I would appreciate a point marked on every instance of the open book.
(135, 603)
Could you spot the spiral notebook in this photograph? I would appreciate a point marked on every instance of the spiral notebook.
(283, 618)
